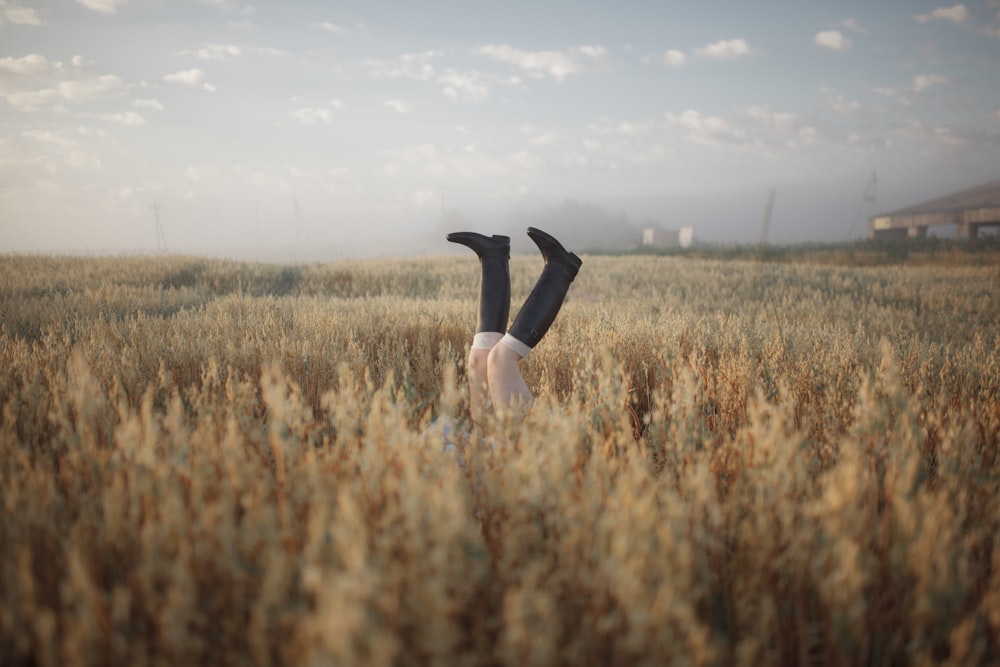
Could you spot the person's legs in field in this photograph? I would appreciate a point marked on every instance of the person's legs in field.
(506, 384)
(494, 311)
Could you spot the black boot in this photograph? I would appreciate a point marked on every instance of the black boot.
(494, 289)
(543, 304)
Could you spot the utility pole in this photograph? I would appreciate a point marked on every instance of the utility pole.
(766, 223)
(868, 203)
(161, 239)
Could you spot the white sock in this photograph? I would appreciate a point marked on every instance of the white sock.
(486, 340)
(516, 345)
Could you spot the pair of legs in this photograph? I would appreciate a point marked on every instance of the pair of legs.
(494, 373)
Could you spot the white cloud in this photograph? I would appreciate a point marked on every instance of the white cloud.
(191, 78)
(758, 130)
(125, 118)
(148, 104)
(201, 172)
(867, 143)
(315, 114)
(102, 6)
(49, 137)
(19, 14)
(638, 143)
(958, 14)
(922, 82)
(73, 154)
(468, 86)
(556, 64)
(86, 89)
(79, 159)
(228, 5)
(898, 97)
(430, 161)
(727, 49)
(427, 156)
(271, 51)
(833, 40)
(702, 129)
(215, 52)
(417, 66)
(331, 27)
(399, 106)
(770, 127)
(30, 100)
(311, 115)
(426, 198)
(674, 58)
(991, 28)
(542, 139)
(931, 135)
(839, 103)
(64, 91)
(808, 135)
(780, 121)
(903, 94)
(852, 24)
(32, 63)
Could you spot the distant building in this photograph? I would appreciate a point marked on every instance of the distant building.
(968, 210)
(654, 237)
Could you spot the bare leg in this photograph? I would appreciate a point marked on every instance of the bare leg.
(506, 384)
(479, 392)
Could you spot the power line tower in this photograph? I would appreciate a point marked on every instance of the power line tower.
(766, 223)
(161, 239)
(765, 226)
(867, 205)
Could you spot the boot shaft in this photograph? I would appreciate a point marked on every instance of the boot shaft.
(546, 298)
(494, 294)
(494, 287)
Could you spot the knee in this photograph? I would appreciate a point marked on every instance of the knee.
(501, 359)
(477, 362)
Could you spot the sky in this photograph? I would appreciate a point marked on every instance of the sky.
(239, 128)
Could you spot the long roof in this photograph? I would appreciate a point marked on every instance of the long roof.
(986, 195)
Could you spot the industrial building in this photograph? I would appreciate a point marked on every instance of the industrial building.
(967, 210)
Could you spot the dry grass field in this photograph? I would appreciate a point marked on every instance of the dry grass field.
(729, 463)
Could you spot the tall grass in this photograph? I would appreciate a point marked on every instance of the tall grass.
(728, 463)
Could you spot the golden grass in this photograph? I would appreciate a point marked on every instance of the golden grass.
(207, 462)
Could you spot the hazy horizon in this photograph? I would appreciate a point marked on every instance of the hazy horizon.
(306, 125)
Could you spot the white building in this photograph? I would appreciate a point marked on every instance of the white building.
(653, 237)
